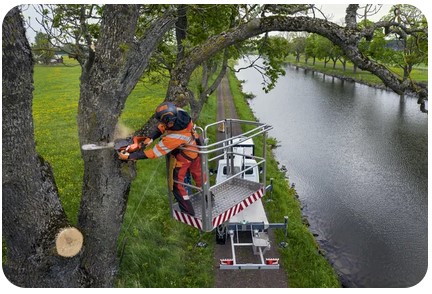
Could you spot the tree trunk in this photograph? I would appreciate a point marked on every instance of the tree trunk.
(181, 29)
(32, 212)
(104, 193)
(351, 16)
(105, 85)
(206, 72)
(209, 90)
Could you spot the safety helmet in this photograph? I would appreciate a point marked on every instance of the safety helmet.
(166, 112)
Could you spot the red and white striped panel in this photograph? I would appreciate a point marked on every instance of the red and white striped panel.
(187, 219)
(223, 217)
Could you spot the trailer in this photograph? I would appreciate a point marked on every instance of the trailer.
(229, 201)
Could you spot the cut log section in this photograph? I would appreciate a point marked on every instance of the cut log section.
(69, 242)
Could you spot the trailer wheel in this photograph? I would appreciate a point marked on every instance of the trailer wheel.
(221, 234)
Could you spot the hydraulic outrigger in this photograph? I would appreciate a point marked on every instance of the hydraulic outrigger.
(232, 204)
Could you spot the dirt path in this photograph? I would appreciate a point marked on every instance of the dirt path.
(242, 278)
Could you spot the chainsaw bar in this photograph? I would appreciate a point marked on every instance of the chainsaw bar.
(89, 147)
(119, 145)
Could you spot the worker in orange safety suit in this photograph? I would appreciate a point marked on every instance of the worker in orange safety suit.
(176, 129)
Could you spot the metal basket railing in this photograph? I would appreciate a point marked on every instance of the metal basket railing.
(215, 203)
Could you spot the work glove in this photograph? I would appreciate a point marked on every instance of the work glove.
(139, 143)
(124, 155)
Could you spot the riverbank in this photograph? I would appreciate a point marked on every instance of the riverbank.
(302, 259)
(340, 76)
(348, 74)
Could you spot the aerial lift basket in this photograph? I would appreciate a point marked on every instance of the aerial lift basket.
(215, 204)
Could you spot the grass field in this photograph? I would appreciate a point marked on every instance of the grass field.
(55, 104)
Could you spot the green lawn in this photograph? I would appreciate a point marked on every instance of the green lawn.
(55, 103)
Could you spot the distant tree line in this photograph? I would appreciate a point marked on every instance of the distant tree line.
(399, 50)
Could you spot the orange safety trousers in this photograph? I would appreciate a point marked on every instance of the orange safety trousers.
(182, 166)
(186, 160)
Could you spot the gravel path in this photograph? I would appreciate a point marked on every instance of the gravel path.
(242, 278)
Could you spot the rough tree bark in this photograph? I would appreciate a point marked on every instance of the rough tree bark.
(105, 84)
(32, 212)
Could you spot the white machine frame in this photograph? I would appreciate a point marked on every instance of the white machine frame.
(233, 204)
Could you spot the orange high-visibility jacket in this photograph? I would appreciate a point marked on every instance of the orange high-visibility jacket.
(171, 140)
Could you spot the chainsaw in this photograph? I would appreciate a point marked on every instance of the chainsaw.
(130, 144)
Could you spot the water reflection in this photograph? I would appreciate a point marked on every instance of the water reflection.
(358, 158)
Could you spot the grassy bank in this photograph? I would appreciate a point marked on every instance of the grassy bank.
(419, 74)
(304, 265)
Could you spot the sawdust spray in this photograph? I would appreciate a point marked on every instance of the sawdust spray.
(122, 131)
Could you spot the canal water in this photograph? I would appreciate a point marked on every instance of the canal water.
(358, 158)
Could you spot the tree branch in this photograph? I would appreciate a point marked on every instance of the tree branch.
(346, 38)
